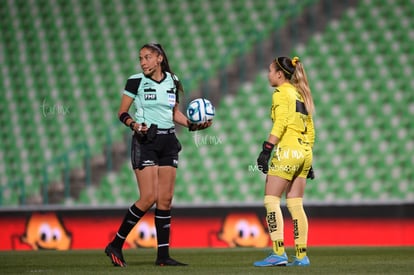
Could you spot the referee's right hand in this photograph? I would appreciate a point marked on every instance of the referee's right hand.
(140, 128)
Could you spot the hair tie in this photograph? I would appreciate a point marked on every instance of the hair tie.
(295, 60)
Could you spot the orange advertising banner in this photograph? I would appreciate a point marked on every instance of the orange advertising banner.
(62, 231)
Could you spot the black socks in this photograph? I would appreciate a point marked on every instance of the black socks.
(162, 225)
(131, 218)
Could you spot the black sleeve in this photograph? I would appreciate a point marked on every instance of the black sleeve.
(177, 96)
(178, 88)
(132, 85)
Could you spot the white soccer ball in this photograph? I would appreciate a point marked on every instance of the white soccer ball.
(200, 110)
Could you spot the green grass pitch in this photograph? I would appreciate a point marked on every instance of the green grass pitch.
(324, 260)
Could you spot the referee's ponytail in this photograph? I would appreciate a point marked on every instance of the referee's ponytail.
(165, 66)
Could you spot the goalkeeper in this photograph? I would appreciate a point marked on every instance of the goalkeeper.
(291, 138)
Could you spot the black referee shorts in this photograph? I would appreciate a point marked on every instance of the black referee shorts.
(162, 151)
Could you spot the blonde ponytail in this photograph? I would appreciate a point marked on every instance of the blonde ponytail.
(300, 81)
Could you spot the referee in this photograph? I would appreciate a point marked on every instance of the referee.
(155, 148)
(293, 134)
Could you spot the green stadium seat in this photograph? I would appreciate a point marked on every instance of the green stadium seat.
(81, 58)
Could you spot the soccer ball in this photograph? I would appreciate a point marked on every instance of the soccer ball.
(200, 110)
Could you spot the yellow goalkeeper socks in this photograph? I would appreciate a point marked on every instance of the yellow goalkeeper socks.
(278, 247)
(274, 219)
(300, 251)
(300, 225)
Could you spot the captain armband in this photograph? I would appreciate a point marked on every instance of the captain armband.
(124, 117)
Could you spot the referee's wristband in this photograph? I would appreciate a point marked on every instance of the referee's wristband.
(131, 125)
(124, 117)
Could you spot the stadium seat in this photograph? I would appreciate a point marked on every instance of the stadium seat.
(78, 54)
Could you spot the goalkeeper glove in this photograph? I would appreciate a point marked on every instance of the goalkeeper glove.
(263, 159)
(311, 174)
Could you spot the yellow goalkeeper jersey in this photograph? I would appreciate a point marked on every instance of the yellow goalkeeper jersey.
(291, 122)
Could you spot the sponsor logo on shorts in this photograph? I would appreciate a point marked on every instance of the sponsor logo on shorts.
(148, 163)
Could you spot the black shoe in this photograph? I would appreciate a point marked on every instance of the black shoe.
(115, 254)
(168, 261)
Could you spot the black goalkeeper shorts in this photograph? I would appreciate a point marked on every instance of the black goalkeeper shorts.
(162, 151)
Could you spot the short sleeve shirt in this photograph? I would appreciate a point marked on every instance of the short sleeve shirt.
(154, 101)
